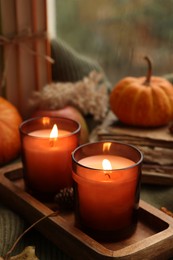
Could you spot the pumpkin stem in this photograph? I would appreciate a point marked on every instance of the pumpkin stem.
(149, 72)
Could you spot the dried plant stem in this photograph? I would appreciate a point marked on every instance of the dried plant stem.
(31, 226)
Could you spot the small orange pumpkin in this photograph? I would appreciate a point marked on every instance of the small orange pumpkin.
(146, 102)
(10, 120)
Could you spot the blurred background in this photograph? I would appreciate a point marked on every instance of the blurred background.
(119, 33)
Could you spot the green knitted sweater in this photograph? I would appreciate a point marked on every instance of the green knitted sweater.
(70, 66)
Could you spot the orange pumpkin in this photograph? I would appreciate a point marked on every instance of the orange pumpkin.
(146, 102)
(10, 120)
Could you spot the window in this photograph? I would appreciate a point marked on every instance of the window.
(119, 33)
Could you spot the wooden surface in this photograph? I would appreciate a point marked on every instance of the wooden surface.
(153, 237)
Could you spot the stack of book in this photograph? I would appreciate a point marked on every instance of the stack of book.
(156, 144)
(25, 48)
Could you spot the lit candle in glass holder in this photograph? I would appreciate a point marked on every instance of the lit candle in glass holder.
(47, 144)
(107, 187)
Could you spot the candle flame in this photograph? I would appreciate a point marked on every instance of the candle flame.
(106, 146)
(46, 121)
(106, 164)
(54, 132)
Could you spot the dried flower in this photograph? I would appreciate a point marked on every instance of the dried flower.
(89, 95)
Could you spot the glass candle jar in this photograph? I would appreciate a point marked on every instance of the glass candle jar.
(47, 144)
(107, 178)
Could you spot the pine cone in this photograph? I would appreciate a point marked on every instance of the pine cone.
(65, 199)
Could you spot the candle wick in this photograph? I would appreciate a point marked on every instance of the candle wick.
(52, 141)
(106, 174)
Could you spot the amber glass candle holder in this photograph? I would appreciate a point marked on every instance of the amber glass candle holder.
(47, 159)
(107, 178)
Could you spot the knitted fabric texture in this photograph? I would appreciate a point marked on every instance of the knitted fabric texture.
(11, 226)
(69, 65)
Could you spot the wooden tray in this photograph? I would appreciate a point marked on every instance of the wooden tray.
(153, 238)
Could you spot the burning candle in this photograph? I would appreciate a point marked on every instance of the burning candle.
(47, 144)
(107, 184)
